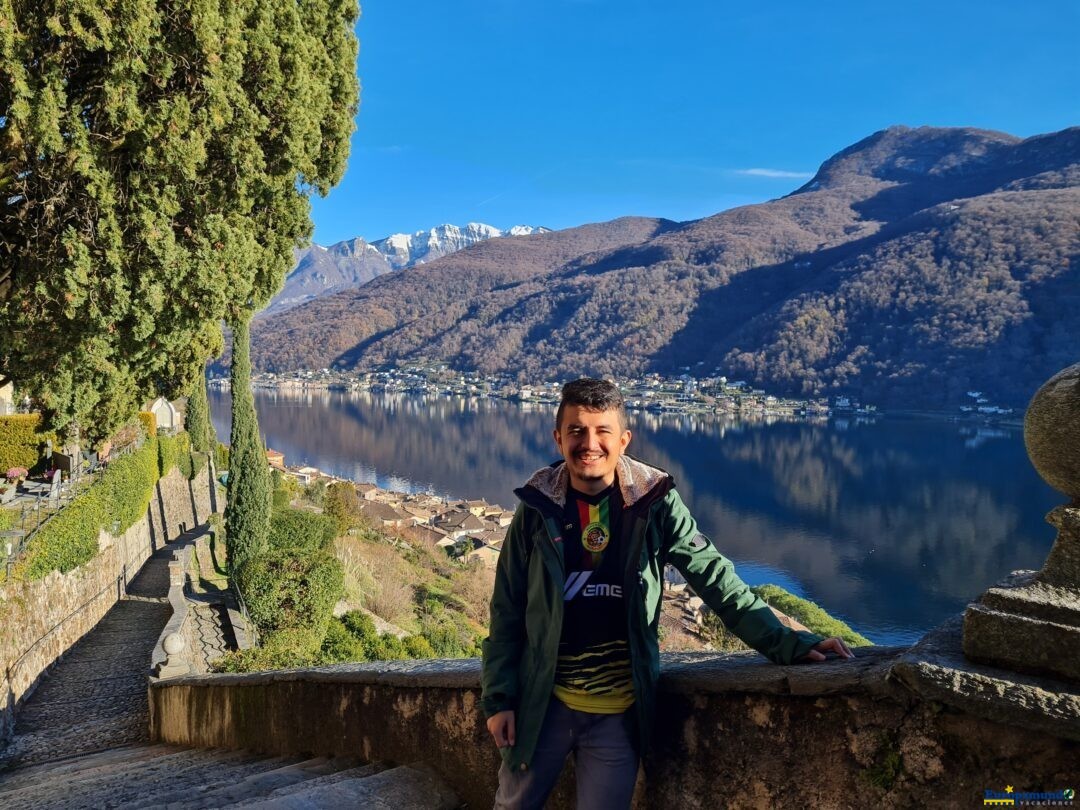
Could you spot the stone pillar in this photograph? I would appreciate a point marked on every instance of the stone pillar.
(1031, 621)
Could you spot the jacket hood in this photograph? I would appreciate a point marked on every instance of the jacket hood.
(636, 480)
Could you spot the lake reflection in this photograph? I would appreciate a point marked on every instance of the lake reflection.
(892, 525)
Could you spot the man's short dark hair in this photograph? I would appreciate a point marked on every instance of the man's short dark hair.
(592, 395)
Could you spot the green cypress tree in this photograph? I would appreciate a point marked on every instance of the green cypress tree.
(198, 423)
(156, 161)
(247, 515)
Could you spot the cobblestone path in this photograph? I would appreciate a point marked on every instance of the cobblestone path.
(95, 697)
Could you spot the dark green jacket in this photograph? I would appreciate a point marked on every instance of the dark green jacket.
(527, 603)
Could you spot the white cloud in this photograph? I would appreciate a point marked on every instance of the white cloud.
(776, 173)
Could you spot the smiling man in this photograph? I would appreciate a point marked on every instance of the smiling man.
(572, 658)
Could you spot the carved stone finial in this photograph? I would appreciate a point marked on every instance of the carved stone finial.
(1031, 621)
(175, 664)
(174, 644)
(1052, 431)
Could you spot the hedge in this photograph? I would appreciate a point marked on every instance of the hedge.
(175, 451)
(121, 497)
(22, 442)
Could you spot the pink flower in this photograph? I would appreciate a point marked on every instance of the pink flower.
(16, 473)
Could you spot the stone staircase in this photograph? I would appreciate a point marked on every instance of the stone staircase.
(162, 776)
(95, 696)
(82, 738)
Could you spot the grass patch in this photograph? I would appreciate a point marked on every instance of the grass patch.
(808, 613)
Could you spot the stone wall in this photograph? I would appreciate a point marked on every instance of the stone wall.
(41, 620)
(734, 731)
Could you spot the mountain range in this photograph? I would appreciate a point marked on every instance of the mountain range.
(916, 265)
(348, 264)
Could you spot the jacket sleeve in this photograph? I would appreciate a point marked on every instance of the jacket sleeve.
(713, 578)
(502, 649)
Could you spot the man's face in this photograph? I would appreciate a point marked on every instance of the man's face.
(591, 442)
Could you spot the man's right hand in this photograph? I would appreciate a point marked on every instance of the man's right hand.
(501, 726)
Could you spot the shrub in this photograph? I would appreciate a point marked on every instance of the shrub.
(184, 461)
(418, 647)
(128, 485)
(281, 495)
(353, 637)
(199, 461)
(67, 541)
(315, 491)
(802, 610)
(175, 451)
(340, 645)
(221, 456)
(342, 503)
(447, 639)
(301, 532)
(149, 422)
(22, 441)
(285, 649)
(717, 634)
(285, 590)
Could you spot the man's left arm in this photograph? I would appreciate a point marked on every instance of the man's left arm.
(713, 578)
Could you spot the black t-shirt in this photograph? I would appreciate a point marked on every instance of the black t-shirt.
(593, 670)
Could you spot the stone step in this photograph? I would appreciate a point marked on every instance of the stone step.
(223, 795)
(124, 783)
(46, 745)
(81, 766)
(359, 772)
(406, 787)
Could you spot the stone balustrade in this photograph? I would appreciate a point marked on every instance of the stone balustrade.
(733, 730)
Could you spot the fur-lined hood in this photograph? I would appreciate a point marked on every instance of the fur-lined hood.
(636, 480)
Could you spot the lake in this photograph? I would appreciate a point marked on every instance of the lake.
(891, 524)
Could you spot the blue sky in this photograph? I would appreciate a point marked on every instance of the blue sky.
(562, 112)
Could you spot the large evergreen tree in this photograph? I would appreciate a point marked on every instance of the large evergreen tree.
(247, 515)
(155, 166)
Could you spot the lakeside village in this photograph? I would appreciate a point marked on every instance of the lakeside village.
(467, 530)
(683, 393)
(656, 393)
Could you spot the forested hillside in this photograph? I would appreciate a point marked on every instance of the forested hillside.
(916, 265)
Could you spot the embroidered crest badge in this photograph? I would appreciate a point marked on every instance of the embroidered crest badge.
(595, 537)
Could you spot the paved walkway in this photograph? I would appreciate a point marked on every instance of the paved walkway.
(95, 697)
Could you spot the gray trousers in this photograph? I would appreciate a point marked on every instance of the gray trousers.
(605, 762)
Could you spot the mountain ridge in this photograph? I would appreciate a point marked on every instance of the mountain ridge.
(916, 264)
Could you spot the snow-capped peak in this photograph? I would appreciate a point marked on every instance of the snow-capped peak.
(405, 250)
